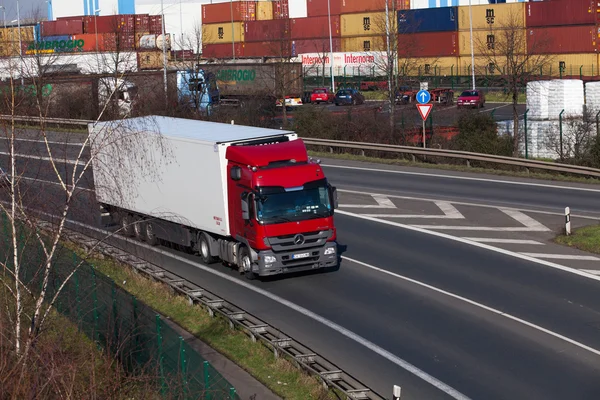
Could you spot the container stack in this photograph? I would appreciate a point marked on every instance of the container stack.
(567, 30)
(9, 40)
(125, 32)
(429, 38)
(493, 28)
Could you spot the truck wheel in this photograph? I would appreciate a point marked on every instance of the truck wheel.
(246, 262)
(150, 237)
(138, 228)
(126, 225)
(205, 251)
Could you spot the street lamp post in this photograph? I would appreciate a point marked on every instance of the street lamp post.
(164, 49)
(330, 46)
(96, 26)
(20, 44)
(4, 16)
(472, 53)
(232, 30)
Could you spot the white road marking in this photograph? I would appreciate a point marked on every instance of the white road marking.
(50, 142)
(466, 178)
(330, 324)
(382, 202)
(474, 303)
(525, 220)
(507, 241)
(592, 271)
(561, 256)
(57, 160)
(479, 228)
(450, 212)
(53, 183)
(471, 243)
(462, 203)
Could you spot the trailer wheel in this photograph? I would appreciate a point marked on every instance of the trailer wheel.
(126, 225)
(205, 250)
(138, 228)
(150, 237)
(246, 262)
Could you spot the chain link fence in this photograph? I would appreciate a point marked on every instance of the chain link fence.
(118, 322)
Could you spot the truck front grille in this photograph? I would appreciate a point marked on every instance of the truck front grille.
(293, 242)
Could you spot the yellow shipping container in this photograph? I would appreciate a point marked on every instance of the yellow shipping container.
(440, 66)
(366, 24)
(363, 43)
(488, 42)
(264, 10)
(572, 64)
(26, 33)
(221, 33)
(483, 65)
(488, 16)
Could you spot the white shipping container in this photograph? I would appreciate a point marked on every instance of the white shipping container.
(169, 168)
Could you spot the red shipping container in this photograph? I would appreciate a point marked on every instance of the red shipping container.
(127, 22)
(314, 27)
(62, 27)
(281, 48)
(105, 41)
(222, 50)
(429, 44)
(281, 9)
(142, 23)
(258, 31)
(237, 11)
(555, 13)
(562, 39)
(319, 45)
(318, 8)
(100, 24)
(362, 6)
(156, 25)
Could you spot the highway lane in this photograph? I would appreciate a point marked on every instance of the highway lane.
(457, 186)
(478, 353)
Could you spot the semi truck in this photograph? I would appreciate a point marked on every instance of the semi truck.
(249, 197)
(240, 82)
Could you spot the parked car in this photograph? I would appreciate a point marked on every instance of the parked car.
(471, 98)
(349, 96)
(320, 95)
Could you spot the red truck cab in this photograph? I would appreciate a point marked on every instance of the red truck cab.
(320, 95)
(281, 207)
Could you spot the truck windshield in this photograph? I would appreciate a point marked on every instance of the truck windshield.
(276, 205)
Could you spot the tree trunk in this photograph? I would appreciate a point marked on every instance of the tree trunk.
(516, 134)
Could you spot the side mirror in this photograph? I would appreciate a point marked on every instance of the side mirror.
(334, 196)
(245, 207)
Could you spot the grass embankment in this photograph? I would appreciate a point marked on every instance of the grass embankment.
(499, 97)
(453, 167)
(277, 374)
(586, 239)
(64, 363)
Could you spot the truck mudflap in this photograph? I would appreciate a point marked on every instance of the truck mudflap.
(305, 259)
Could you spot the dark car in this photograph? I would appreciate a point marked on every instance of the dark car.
(349, 96)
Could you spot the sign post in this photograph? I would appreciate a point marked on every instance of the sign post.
(423, 97)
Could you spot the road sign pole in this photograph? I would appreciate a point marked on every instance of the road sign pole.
(424, 134)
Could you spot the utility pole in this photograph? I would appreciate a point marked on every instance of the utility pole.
(164, 49)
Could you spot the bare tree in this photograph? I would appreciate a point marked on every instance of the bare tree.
(575, 141)
(510, 59)
(45, 189)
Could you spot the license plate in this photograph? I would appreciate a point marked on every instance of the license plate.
(302, 255)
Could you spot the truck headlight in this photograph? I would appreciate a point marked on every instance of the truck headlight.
(270, 259)
(329, 251)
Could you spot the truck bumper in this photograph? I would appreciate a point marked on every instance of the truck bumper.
(271, 263)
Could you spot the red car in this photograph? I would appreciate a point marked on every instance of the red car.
(321, 95)
(471, 98)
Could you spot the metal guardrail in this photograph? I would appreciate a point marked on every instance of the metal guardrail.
(330, 375)
(464, 155)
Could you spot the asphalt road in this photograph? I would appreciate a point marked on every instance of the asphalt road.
(488, 325)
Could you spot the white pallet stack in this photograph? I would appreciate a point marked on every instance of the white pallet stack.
(567, 95)
(537, 99)
(592, 97)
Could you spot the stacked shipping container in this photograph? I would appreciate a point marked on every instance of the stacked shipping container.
(9, 40)
(568, 31)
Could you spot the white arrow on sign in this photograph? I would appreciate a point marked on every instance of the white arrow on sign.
(423, 96)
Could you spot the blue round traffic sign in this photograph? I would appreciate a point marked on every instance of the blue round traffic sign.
(423, 96)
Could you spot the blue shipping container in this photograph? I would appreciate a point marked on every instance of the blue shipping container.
(441, 19)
